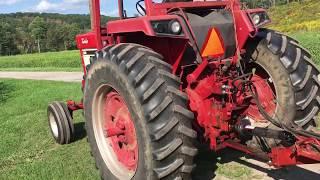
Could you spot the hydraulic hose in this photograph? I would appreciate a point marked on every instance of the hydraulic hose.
(280, 124)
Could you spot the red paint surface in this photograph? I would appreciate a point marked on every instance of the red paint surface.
(120, 130)
(266, 96)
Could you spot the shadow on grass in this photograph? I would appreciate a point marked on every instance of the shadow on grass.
(79, 131)
(206, 166)
(5, 90)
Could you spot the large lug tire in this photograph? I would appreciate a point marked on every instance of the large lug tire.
(295, 76)
(157, 108)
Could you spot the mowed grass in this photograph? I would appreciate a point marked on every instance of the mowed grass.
(51, 61)
(27, 149)
(311, 41)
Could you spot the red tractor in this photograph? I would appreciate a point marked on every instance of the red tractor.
(189, 72)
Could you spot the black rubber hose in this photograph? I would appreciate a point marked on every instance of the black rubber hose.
(281, 125)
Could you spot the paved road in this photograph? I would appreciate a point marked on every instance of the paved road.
(53, 76)
(206, 160)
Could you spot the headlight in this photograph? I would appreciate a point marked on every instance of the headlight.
(259, 18)
(167, 27)
(159, 27)
(175, 27)
(256, 19)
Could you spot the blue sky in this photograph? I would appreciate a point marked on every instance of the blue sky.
(109, 7)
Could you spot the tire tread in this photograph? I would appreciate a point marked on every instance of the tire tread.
(306, 86)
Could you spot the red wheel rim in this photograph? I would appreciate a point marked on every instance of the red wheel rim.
(120, 131)
(265, 90)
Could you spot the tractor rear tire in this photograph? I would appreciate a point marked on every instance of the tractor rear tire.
(157, 108)
(295, 76)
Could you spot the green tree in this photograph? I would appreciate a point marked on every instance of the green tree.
(55, 38)
(44, 32)
(38, 28)
(25, 41)
(70, 32)
(7, 36)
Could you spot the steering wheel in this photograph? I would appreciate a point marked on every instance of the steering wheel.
(141, 10)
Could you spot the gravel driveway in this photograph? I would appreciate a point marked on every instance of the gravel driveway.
(53, 76)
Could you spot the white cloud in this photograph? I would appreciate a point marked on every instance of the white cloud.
(9, 2)
(47, 6)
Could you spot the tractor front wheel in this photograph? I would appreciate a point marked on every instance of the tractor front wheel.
(137, 120)
(60, 122)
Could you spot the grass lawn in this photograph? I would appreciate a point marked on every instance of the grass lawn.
(27, 150)
(51, 61)
(311, 41)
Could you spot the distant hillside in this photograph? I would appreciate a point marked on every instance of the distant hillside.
(22, 33)
(82, 20)
(304, 16)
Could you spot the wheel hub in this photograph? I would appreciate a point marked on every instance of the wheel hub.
(119, 130)
(53, 125)
(266, 95)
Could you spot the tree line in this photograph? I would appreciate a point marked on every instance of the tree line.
(23, 33)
